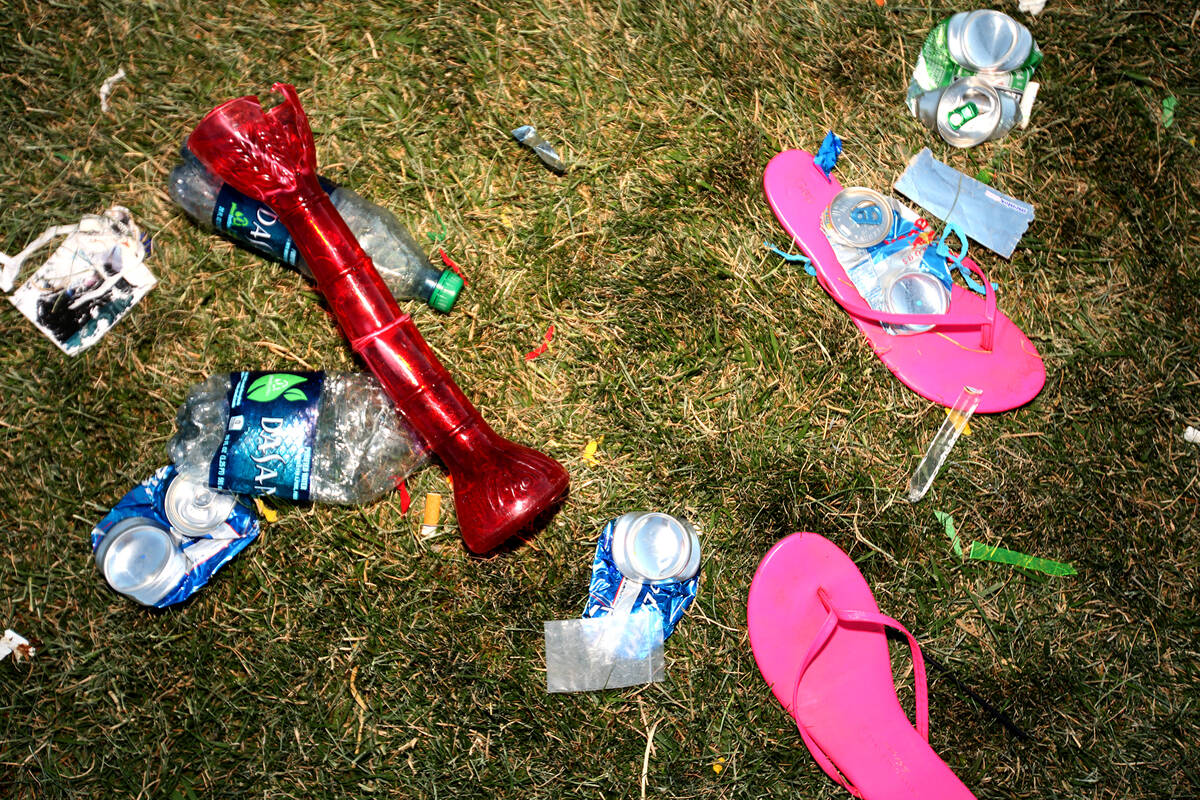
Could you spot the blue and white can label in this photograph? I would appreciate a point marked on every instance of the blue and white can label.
(609, 588)
(203, 555)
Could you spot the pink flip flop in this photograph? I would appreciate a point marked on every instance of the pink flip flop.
(819, 641)
(973, 344)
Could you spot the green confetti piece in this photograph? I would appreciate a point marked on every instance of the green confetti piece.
(438, 237)
(948, 526)
(1168, 111)
(999, 555)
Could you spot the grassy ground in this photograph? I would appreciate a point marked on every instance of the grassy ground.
(341, 656)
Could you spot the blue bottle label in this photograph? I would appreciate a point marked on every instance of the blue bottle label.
(254, 224)
(268, 444)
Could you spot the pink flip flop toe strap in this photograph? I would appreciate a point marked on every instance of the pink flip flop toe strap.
(835, 618)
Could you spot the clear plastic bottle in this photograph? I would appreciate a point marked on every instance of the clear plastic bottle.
(361, 447)
(216, 206)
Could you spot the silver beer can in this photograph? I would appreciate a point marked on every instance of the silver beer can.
(914, 292)
(988, 41)
(858, 217)
(193, 508)
(141, 559)
(651, 547)
(969, 111)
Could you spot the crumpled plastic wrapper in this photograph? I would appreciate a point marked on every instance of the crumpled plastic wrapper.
(991, 218)
(608, 652)
(528, 136)
(12, 642)
(88, 284)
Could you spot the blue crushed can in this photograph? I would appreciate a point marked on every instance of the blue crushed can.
(169, 535)
(645, 561)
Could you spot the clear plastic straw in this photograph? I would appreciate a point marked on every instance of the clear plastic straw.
(943, 443)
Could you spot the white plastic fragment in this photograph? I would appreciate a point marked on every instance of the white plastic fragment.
(609, 652)
(1191, 435)
(18, 645)
(107, 87)
(1027, 98)
(1031, 6)
(12, 264)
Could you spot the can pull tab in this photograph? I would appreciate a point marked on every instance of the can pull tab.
(962, 115)
(868, 214)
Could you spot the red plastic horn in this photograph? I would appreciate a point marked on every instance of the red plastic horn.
(500, 487)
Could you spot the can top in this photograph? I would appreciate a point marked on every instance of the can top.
(860, 216)
(139, 558)
(915, 292)
(988, 41)
(193, 508)
(968, 112)
(650, 546)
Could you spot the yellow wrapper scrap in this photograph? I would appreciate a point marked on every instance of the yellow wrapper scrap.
(267, 513)
(589, 451)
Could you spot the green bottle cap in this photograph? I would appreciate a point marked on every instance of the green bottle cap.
(446, 291)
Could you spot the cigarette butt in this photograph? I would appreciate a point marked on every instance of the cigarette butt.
(433, 512)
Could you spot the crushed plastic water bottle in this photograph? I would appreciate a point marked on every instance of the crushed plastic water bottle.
(214, 205)
(324, 437)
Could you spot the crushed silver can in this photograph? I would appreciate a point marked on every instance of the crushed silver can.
(652, 547)
(969, 111)
(193, 508)
(914, 292)
(988, 41)
(858, 217)
(141, 559)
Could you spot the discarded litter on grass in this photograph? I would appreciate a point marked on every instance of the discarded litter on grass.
(589, 451)
(528, 136)
(431, 516)
(972, 80)
(584, 655)
(947, 522)
(827, 156)
(543, 347)
(12, 642)
(107, 87)
(999, 555)
(168, 535)
(991, 218)
(88, 284)
(1168, 110)
(943, 442)
(644, 577)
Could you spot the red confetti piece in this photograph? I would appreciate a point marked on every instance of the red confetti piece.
(543, 347)
(405, 500)
(449, 262)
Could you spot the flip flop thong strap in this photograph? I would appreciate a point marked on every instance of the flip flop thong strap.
(951, 320)
(849, 617)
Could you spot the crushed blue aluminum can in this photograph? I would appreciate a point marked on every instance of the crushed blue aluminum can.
(669, 598)
(155, 557)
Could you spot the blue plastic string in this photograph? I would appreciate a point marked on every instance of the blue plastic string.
(793, 258)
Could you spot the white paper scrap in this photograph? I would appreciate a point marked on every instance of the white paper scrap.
(89, 283)
(107, 87)
(18, 645)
